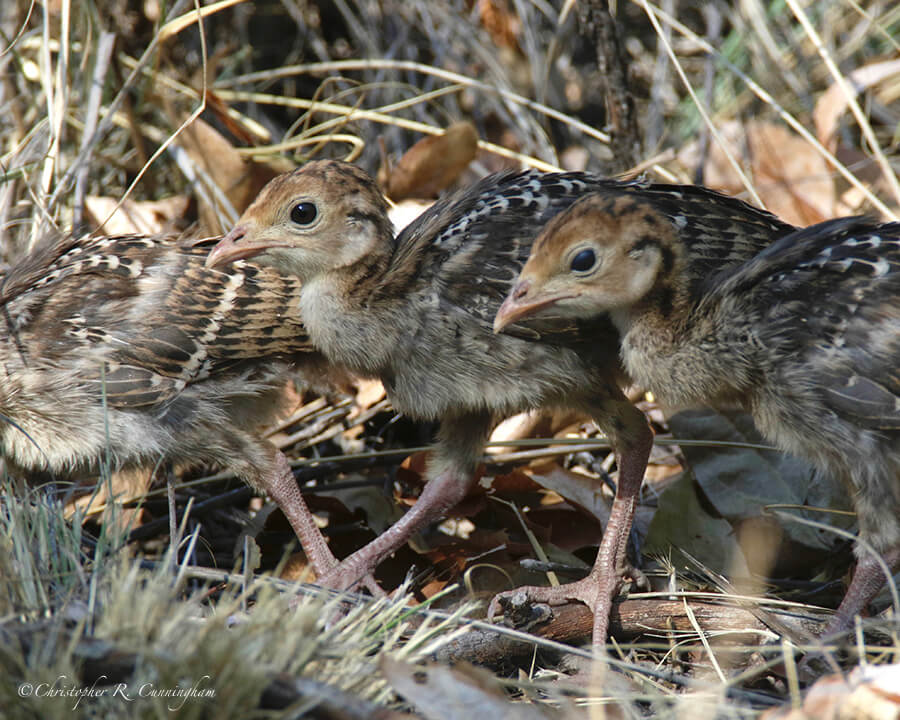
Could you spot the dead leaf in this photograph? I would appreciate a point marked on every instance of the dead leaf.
(740, 482)
(834, 101)
(240, 179)
(108, 496)
(792, 178)
(682, 521)
(501, 22)
(432, 164)
(379, 511)
(433, 587)
(531, 424)
(515, 481)
(584, 491)
(565, 528)
(459, 693)
(145, 217)
(404, 212)
(298, 569)
(369, 392)
(868, 693)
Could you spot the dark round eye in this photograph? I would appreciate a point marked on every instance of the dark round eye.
(304, 213)
(583, 261)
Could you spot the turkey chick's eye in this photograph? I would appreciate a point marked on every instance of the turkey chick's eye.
(304, 213)
(583, 261)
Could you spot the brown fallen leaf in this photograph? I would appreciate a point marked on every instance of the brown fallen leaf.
(368, 393)
(584, 491)
(459, 693)
(239, 178)
(870, 692)
(792, 178)
(145, 217)
(834, 101)
(532, 424)
(107, 497)
(432, 164)
(501, 22)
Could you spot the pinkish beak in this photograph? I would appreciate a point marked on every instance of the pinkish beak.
(235, 246)
(518, 305)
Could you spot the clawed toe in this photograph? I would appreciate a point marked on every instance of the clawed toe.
(371, 584)
(342, 578)
(637, 577)
(594, 591)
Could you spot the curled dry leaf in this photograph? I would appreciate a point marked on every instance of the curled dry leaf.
(240, 179)
(791, 177)
(834, 101)
(432, 164)
(148, 217)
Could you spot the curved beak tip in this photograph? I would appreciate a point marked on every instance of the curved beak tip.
(510, 310)
(505, 315)
(226, 249)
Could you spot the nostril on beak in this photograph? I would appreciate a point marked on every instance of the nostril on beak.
(235, 234)
(226, 249)
(521, 290)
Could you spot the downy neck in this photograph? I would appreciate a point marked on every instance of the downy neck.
(343, 323)
(681, 349)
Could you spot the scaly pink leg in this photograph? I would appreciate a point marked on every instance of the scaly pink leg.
(283, 489)
(598, 589)
(439, 495)
(452, 472)
(868, 579)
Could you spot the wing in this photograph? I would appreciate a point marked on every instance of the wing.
(467, 249)
(842, 278)
(197, 323)
(804, 248)
(141, 318)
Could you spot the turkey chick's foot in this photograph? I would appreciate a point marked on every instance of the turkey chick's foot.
(867, 581)
(598, 589)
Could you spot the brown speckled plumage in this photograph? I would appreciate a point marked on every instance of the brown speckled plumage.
(417, 310)
(805, 336)
(129, 351)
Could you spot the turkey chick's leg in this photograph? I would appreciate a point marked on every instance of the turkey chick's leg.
(277, 480)
(878, 514)
(631, 437)
(451, 474)
(879, 528)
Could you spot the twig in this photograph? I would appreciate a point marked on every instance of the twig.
(653, 131)
(713, 30)
(600, 29)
